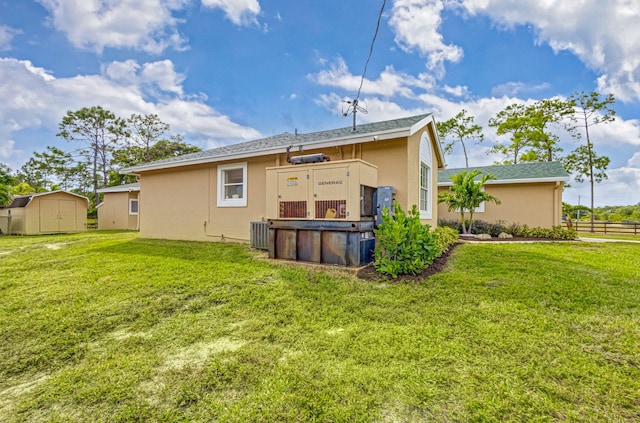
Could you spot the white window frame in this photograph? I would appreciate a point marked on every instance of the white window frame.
(131, 200)
(232, 202)
(425, 188)
(425, 158)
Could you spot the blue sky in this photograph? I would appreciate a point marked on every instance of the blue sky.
(224, 71)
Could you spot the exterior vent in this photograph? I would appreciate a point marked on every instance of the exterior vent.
(293, 210)
(331, 209)
(259, 234)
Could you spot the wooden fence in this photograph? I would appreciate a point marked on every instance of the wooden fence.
(624, 227)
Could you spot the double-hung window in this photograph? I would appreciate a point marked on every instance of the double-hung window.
(133, 206)
(426, 182)
(425, 171)
(232, 185)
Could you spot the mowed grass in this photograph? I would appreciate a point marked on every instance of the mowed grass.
(108, 327)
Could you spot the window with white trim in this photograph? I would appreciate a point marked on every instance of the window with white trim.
(426, 180)
(133, 206)
(232, 185)
(425, 171)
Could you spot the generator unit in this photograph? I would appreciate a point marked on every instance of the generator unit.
(322, 212)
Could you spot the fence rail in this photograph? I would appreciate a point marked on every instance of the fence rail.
(624, 227)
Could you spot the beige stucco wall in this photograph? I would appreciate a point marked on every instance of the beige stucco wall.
(27, 220)
(533, 204)
(113, 213)
(181, 203)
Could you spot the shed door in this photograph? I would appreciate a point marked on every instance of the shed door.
(48, 215)
(67, 215)
(57, 215)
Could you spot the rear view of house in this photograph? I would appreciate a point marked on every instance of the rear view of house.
(215, 195)
(45, 213)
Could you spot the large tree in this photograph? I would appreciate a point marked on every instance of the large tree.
(589, 109)
(47, 170)
(6, 182)
(100, 132)
(135, 154)
(531, 130)
(460, 128)
(466, 194)
(144, 131)
(512, 121)
(545, 116)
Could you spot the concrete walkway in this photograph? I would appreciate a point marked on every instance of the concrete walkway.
(607, 240)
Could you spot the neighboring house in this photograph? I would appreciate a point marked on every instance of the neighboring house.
(119, 207)
(530, 193)
(45, 213)
(215, 194)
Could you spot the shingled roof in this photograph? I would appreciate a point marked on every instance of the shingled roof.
(20, 201)
(121, 188)
(517, 173)
(276, 144)
(24, 200)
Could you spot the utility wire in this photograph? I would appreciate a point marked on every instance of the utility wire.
(384, 2)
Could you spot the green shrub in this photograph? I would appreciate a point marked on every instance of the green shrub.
(494, 229)
(557, 232)
(405, 245)
(444, 237)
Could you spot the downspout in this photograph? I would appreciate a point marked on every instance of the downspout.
(557, 207)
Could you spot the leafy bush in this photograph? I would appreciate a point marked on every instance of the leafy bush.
(557, 232)
(494, 229)
(444, 237)
(479, 227)
(405, 245)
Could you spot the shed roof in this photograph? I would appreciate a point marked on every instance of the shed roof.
(121, 188)
(513, 174)
(24, 200)
(367, 132)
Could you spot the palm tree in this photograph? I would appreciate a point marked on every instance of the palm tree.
(466, 194)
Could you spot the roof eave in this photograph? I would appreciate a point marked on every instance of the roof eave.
(514, 181)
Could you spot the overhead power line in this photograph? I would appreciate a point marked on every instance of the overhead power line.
(373, 41)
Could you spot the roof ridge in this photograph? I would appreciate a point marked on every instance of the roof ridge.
(286, 138)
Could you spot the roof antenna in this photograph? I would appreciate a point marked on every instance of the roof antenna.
(353, 106)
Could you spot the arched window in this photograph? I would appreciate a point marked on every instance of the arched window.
(426, 182)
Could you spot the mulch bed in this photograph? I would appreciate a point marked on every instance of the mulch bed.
(370, 274)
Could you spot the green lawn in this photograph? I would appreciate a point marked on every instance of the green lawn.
(108, 327)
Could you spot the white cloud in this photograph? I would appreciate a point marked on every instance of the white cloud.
(603, 35)
(515, 88)
(39, 100)
(416, 24)
(622, 188)
(6, 36)
(389, 83)
(457, 91)
(240, 12)
(145, 25)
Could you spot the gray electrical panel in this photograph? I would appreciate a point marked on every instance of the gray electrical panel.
(383, 198)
